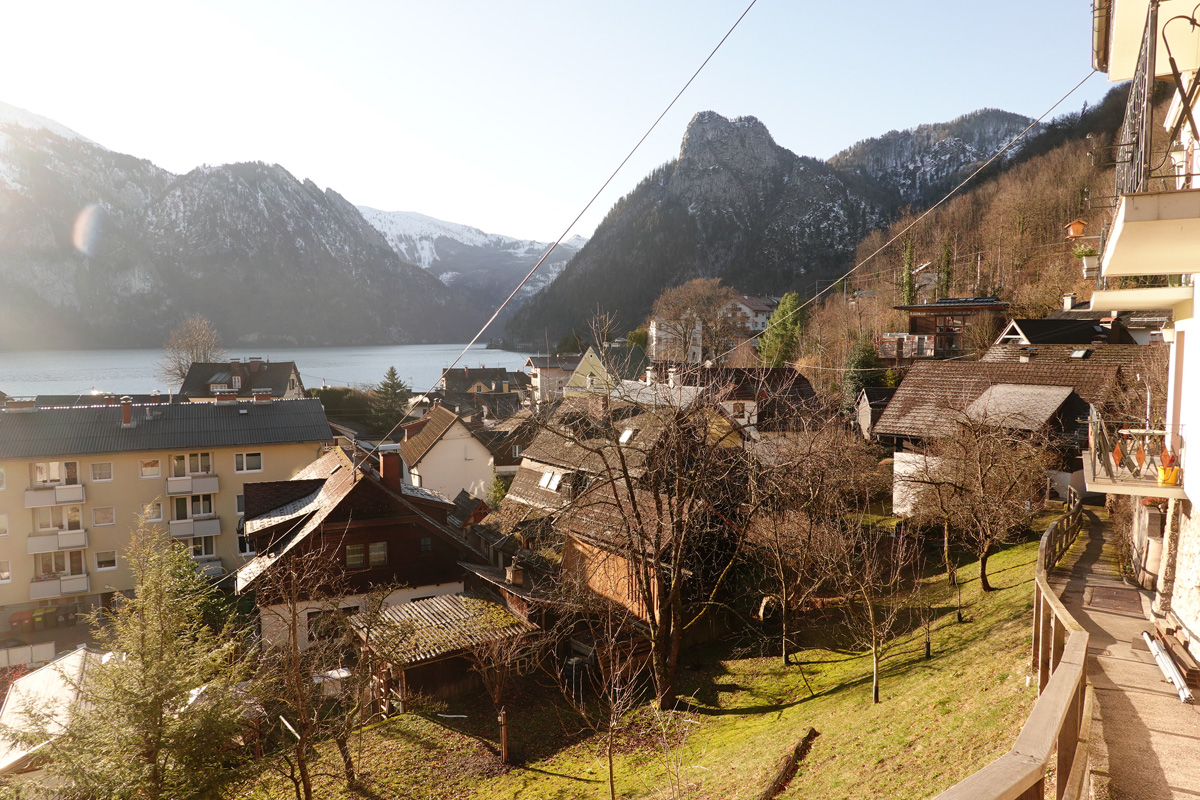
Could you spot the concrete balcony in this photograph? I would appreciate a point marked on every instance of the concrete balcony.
(58, 586)
(198, 526)
(50, 542)
(193, 484)
(43, 496)
(1127, 458)
(1154, 233)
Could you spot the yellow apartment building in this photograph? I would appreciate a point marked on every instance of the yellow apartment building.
(73, 481)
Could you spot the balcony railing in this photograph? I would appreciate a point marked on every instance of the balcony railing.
(42, 589)
(904, 345)
(1133, 153)
(55, 495)
(61, 540)
(184, 528)
(193, 484)
(1125, 457)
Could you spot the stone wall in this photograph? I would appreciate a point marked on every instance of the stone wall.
(1185, 601)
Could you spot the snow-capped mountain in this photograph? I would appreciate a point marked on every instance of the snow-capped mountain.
(486, 266)
(99, 248)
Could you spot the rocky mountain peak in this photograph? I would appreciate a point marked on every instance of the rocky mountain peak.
(713, 141)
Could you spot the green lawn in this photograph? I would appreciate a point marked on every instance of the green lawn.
(938, 721)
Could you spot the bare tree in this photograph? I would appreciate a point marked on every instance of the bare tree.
(700, 305)
(498, 661)
(194, 340)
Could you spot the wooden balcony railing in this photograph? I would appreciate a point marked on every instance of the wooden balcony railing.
(1060, 723)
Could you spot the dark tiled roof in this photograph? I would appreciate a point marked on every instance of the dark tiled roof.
(1059, 331)
(162, 426)
(568, 363)
(437, 422)
(255, 375)
(465, 505)
(958, 303)
(265, 496)
(1121, 355)
(67, 400)
(878, 396)
(919, 407)
(747, 383)
(758, 304)
(461, 379)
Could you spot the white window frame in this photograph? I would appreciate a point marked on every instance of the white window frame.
(114, 560)
(143, 467)
(96, 523)
(3, 483)
(204, 543)
(5, 571)
(53, 556)
(63, 513)
(237, 381)
(95, 464)
(246, 547)
(361, 561)
(149, 511)
(240, 460)
(371, 555)
(3, 524)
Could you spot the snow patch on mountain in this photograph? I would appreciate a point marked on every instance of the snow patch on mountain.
(11, 115)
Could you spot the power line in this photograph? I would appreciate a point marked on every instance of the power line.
(925, 214)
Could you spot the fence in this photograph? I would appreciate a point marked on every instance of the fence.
(1060, 722)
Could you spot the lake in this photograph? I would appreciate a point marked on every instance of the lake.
(420, 366)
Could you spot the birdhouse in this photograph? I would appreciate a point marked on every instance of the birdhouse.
(1075, 229)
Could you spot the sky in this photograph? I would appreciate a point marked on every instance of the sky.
(509, 116)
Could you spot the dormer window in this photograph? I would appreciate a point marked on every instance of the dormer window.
(217, 387)
(237, 381)
(627, 435)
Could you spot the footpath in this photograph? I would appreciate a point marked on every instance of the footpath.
(1145, 742)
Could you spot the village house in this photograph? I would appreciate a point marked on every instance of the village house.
(605, 368)
(946, 328)
(244, 380)
(549, 374)
(442, 454)
(74, 481)
(375, 529)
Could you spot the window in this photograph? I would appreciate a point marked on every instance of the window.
(555, 480)
(60, 518)
(153, 512)
(237, 381)
(3, 524)
(104, 516)
(150, 468)
(102, 471)
(1, 479)
(202, 545)
(241, 504)
(106, 560)
(5, 572)
(245, 545)
(516, 450)
(217, 387)
(426, 544)
(60, 562)
(377, 554)
(739, 409)
(356, 556)
(247, 462)
(183, 465)
(193, 507)
(50, 473)
(627, 435)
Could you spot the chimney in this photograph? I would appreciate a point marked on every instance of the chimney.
(1068, 301)
(110, 399)
(391, 470)
(651, 376)
(24, 404)
(262, 395)
(226, 397)
(673, 377)
(126, 412)
(514, 574)
(1027, 354)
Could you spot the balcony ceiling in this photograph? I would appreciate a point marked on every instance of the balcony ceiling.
(1127, 24)
(1154, 233)
(1145, 299)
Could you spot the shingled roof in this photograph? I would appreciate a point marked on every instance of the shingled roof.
(437, 423)
(918, 408)
(1121, 355)
(439, 627)
(255, 375)
(88, 430)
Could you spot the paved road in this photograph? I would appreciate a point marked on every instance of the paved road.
(1145, 743)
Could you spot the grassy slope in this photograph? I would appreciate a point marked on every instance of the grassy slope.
(939, 721)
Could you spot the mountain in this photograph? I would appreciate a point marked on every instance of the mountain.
(738, 206)
(484, 266)
(98, 248)
(921, 164)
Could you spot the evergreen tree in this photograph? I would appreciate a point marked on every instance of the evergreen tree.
(389, 402)
(781, 342)
(945, 264)
(908, 286)
(158, 718)
(863, 368)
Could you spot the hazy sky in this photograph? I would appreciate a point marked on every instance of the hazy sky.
(509, 115)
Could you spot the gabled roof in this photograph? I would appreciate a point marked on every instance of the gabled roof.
(461, 379)
(566, 362)
(91, 430)
(438, 422)
(746, 383)
(760, 305)
(1054, 331)
(1010, 405)
(1121, 355)
(875, 396)
(448, 625)
(51, 690)
(919, 407)
(256, 376)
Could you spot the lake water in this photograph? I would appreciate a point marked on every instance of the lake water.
(136, 371)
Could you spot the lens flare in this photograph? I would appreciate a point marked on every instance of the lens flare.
(85, 234)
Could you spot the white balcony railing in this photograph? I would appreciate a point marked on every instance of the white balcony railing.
(52, 541)
(193, 484)
(42, 496)
(57, 586)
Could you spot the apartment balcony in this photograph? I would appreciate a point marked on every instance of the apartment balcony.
(197, 526)
(1154, 233)
(49, 542)
(43, 496)
(1128, 458)
(58, 586)
(193, 484)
